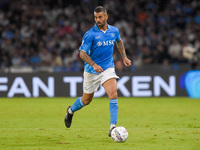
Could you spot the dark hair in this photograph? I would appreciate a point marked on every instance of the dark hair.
(100, 9)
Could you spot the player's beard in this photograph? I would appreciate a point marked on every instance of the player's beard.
(101, 25)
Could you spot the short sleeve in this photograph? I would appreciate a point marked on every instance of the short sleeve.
(117, 35)
(86, 42)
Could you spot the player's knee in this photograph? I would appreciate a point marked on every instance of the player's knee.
(113, 95)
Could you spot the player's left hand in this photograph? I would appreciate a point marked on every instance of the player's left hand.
(127, 62)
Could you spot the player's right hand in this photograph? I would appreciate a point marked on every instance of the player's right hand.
(97, 68)
(127, 62)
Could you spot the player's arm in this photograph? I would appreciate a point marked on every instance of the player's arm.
(84, 56)
(121, 48)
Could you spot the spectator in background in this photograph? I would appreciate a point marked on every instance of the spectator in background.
(16, 59)
(7, 46)
(45, 57)
(153, 41)
(24, 63)
(57, 61)
(68, 61)
(147, 55)
(160, 55)
(35, 59)
(141, 39)
(26, 56)
(175, 50)
(5, 61)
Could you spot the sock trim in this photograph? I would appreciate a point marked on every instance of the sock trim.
(81, 102)
(113, 100)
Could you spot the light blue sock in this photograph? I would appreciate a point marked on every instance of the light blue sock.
(113, 111)
(78, 104)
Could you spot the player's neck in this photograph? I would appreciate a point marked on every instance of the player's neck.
(104, 28)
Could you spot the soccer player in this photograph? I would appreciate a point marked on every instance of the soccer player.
(96, 51)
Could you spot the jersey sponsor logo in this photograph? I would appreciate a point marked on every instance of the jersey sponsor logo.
(106, 43)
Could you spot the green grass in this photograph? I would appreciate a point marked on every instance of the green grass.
(152, 124)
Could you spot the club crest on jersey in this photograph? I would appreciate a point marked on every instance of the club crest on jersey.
(112, 34)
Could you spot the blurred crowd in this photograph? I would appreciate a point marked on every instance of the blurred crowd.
(43, 33)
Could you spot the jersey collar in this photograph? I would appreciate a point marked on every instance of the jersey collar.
(96, 27)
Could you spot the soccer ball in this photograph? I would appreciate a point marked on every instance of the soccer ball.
(119, 134)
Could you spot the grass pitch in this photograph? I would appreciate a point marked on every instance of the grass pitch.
(152, 124)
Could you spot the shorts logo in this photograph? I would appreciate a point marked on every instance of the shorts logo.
(99, 43)
(112, 35)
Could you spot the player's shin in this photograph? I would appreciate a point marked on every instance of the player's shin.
(78, 104)
(113, 112)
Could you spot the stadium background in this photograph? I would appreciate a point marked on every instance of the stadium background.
(41, 39)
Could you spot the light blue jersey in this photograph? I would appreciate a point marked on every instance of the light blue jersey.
(99, 46)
